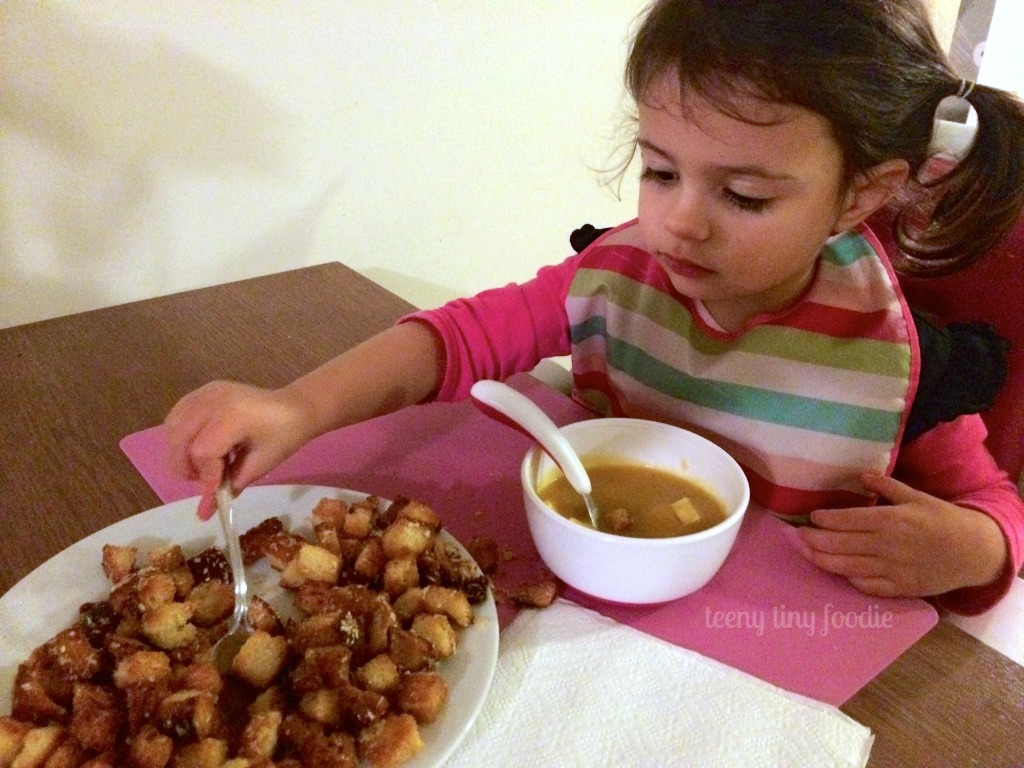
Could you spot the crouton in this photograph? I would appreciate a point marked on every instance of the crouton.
(379, 674)
(418, 512)
(211, 602)
(391, 741)
(207, 753)
(316, 631)
(400, 574)
(118, 562)
(259, 737)
(281, 548)
(326, 537)
(199, 676)
(73, 656)
(330, 512)
(37, 693)
(451, 602)
(167, 558)
(318, 564)
(169, 626)
(422, 695)
(261, 659)
(67, 753)
(262, 616)
(12, 737)
(358, 522)
(190, 716)
(484, 552)
(408, 651)
(437, 630)
(322, 706)
(406, 537)
(254, 541)
(361, 707)
(154, 588)
(380, 619)
(210, 564)
(270, 700)
(142, 668)
(96, 717)
(536, 594)
(370, 561)
(149, 748)
(336, 750)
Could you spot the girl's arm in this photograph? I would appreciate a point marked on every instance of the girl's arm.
(502, 331)
(435, 354)
(431, 354)
(950, 525)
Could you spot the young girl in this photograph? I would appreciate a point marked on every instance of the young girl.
(748, 301)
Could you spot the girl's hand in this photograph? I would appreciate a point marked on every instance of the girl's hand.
(917, 545)
(256, 429)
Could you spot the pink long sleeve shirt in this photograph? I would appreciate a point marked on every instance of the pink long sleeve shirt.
(508, 330)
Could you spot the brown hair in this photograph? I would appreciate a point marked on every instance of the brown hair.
(875, 71)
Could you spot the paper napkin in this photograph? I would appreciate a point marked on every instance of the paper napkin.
(574, 688)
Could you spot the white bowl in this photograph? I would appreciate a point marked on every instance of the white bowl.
(624, 569)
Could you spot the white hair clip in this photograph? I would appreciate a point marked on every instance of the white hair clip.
(966, 87)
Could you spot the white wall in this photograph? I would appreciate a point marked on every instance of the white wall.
(1003, 63)
(944, 13)
(437, 146)
(440, 147)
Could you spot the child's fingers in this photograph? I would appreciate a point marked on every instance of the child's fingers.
(864, 519)
(846, 564)
(181, 428)
(850, 566)
(248, 467)
(891, 490)
(188, 424)
(879, 586)
(212, 473)
(867, 573)
(207, 506)
(212, 447)
(840, 542)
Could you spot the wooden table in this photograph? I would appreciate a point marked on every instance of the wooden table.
(72, 387)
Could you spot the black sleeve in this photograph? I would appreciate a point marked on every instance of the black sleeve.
(963, 367)
(584, 236)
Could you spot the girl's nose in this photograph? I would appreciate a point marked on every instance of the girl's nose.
(687, 218)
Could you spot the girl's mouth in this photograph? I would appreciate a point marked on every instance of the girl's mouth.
(684, 267)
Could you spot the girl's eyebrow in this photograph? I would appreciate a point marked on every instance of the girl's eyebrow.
(755, 171)
(650, 147)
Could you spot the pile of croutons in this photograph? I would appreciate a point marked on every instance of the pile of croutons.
(379, 600)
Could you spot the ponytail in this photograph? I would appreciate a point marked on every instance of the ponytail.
(953, 218)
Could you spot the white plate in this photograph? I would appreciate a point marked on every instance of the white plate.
(47, 600)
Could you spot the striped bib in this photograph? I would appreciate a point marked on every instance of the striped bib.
(805, 400)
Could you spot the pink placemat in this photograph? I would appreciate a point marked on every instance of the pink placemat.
(767, 612)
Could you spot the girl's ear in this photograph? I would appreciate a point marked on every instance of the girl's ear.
(870, 191)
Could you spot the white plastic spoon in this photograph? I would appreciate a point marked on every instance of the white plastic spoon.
(516, 410)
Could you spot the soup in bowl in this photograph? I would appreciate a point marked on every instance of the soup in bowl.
(648, 551)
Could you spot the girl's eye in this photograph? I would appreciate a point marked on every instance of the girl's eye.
(747, 203)
(657, 176)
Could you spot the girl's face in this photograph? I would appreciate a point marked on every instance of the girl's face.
(736, 212)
